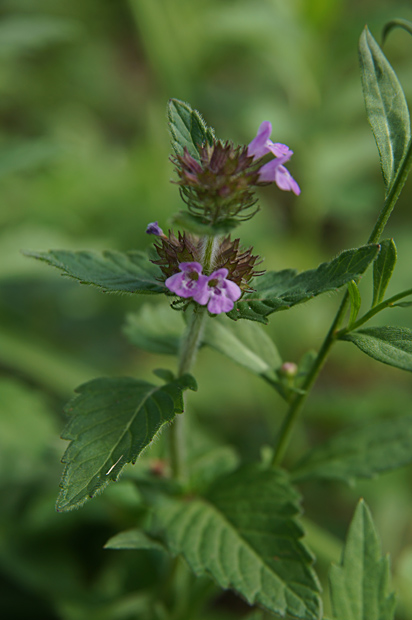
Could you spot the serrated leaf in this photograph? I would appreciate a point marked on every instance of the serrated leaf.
(155, 328)
(134, 539)
(114, 272)
(244, 534)
(390, 345)
(279, 290)
(386, 107)
(355, 301)
(244, 343)
(360, 587)
(382, 269)
(112, 420)
(188, 129)
(361, 452)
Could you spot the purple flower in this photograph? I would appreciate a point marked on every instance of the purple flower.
(154, 229)
(273, 171)
(190, 282)
(261, 145)
(220, 293)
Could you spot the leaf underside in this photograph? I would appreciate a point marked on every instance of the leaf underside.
(112, 271)
(361, 452)
(244, 534)
(383, 269)
(280, 290)
(389, 345)
(112, 420)
(360, 585)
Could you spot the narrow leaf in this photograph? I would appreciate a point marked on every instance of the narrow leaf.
(386, 107)
(111, 422)
(188, 129)
(382, 269)
(114, 272)
(355, 301)
(134, 539)
(279, 290)
(361, 452)
(244, 343)
(244, 534)
(360, 587)
(390, 345)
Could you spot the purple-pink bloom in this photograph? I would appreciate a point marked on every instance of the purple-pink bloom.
(273, 171)
(154, 229)
(221, 292)
(190, 282)
(262, 145)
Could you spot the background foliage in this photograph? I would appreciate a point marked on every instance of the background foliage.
(84, 164)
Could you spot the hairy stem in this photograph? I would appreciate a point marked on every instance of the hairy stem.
(191, 340)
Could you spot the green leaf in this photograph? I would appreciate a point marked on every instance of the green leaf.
(156, 329)
(386, 107)
(360, 587)
(244, 343)
(355, 301)
(361, 452)
(390, 345)
(382, 269)
(280, 290)
(244, 534)
(111, 422)
(396, 23)
(134, 539)
(188, 129)
(114, 272)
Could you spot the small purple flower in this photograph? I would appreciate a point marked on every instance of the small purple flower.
(190, 282)
(220, 293)
(273, 171)
(261, 145)
(154, 229)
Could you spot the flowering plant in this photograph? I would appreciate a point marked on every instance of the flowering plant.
(239, 522)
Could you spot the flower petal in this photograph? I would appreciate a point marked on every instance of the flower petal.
(231, 290)
(257, 148)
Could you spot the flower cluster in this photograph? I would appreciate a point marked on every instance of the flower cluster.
(273, 171)
(215, 291)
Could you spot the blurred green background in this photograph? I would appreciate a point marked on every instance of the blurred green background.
(84, 163)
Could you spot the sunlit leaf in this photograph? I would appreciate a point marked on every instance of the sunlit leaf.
(390, 345)
(280, 290)
(244, 533)
(361, 452)
(112, 420)
(360, 588)
(114, 272)
(386, 107)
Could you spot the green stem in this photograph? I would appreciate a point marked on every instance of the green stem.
(333, 334)
(378, 308)
(190, 343)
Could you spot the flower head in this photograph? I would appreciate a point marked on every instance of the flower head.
(190, 282)
(220, 293)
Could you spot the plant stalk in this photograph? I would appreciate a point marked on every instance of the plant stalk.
(190, 344)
